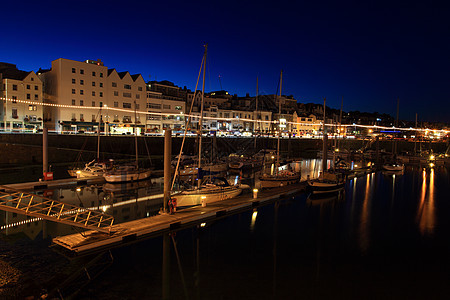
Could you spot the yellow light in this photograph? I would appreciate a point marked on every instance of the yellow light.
(431, 165)
(273, 157)
(370, 130)
(78, 189)
(78, 172)
(431, 156)
(337, 150)
(255, 190)
(356, 166)
(203, 225)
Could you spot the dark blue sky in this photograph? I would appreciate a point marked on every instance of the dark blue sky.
(370, 52)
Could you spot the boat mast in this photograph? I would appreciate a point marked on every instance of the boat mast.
(325, 138)
(98, 134)
(135, 133)
(256, 98)
(200, 123)
(279, 123)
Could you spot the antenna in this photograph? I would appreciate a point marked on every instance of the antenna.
(220, 82)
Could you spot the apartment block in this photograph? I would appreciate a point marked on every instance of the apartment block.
(84, 91)
(21, 106)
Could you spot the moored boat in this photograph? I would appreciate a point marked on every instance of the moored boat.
(327, 183)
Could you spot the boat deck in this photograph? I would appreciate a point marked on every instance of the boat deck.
(129, 232)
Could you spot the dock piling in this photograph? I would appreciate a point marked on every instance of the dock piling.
(167, 159)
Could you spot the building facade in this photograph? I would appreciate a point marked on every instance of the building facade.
(21, 106)
(82, 92)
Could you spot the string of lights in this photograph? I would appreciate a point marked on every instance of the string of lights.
(197, 116)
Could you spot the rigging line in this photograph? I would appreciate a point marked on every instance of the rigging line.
(185, 129)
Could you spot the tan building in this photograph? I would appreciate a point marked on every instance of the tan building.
(79, 89)
(21, 105)
(125, 94)
(305, 126)
(164, 113)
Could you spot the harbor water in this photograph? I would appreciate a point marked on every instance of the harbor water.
(385, 237)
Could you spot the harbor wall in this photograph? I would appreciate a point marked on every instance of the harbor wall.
(20, 149)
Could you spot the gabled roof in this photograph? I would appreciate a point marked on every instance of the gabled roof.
(14, 74)
(135, 76)
(110, 71)
(122, 74)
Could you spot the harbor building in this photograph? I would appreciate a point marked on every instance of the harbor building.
(21, 106)
(305, 125)
(80, 89)
(166, 106)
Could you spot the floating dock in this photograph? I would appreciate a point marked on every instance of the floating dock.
(130, 232)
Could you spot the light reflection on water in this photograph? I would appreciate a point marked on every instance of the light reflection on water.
(426, 208)
(333, 246)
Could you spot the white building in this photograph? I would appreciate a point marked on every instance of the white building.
(21, 93)
(164, 113)
(79, 89)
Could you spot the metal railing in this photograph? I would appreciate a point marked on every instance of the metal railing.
(40, 207)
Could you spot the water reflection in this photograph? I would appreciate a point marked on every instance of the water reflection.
(364, 238)
(426, 208)
(125, 202)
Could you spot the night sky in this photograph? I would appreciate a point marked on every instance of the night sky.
(369, 52)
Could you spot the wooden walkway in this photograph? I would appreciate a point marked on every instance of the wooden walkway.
(129, 232)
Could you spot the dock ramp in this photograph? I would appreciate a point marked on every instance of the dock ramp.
(48, 209)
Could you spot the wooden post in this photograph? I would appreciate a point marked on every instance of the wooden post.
(167, 169)
(45, 150)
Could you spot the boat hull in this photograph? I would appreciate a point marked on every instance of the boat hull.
(127, 176)
(278, 181)
(393, 168)
(195, 197)
(317, 187)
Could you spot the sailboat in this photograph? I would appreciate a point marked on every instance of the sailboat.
(394, 164)
(328, 181)
(95, 168)
(217, 189)
(129, 172)
(284, 177)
